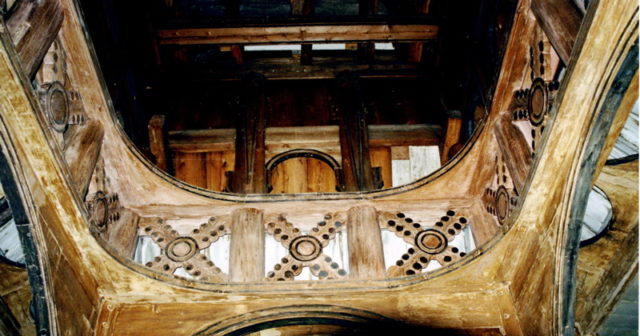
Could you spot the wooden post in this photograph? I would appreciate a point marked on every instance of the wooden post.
(451, 134)
(366, 50)
(354, 135)
(246, 259)
(304, 8)
(82, 153)
(249, 174)
(33, 27)
(366, 256)
(158, 141)
(560, 20)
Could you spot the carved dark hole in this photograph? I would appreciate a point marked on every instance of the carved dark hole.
(457, 226)
(166, 267)
(271, 274)
(325, 236)
(196, 231)
(189, 267)
(410, 272)
(294, 267)
(323, 223)
(205, 239)
(334, 265)
(315, 229)
(271, 225)
(451, 213)
(332, 230)
(399, 228)
(411, 250)
(213, 233)
(416, 225)
(444, 219)
(408, 220)
(400, 215)
(342, 272)
(463, 220)
(323, 274)
(316, 267)
(454, 250)
(405, 256)
(399, 263)
(338, 224)
(160, 240)
(327, 259)
(277, 231)
(327, 216)
(462, 254)
(277, 267)
(417, 266)
(391, 223)
(451, 231)
(284, 237)
(407, 233)
(447, 258)
(221, 227)
(147, 229)
(288, 274)
(280, 279)
(439, 224)
(285, 260)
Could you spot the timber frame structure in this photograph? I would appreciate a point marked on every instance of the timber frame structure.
(82, 193)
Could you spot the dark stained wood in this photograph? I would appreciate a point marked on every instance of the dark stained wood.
(246, 252)
(191, 168)
(560, 20)
(82, 152)
(515, 150)
(299, 34)
(33, 27)
(249, 175)
(158, 141)
(354, 135)
(366, 257)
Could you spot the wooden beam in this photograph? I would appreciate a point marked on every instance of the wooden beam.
(33, 27)
(323, 138)
(560, 20)
(366, 256)
(381, 32)
(82, 152)
(515, 150)
(249, 175)
(354, 135)
(304, 8)
(158, 141)
(246, 252)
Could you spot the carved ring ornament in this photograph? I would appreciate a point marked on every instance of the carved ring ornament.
(55, 103)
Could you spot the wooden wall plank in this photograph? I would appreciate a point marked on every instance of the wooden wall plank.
(158, 140)
(320, 177)
(191, 168)
(381, 157)
(215, 171)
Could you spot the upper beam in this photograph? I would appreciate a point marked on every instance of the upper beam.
(303, 33)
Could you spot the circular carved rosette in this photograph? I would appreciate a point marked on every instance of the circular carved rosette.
(502, 204)
(100, 211)
(182, 249)
(431, 241)
(55, 103)
(305, 248)
(538, 104)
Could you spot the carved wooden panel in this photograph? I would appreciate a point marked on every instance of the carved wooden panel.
(429, 243)
(500, 198)
(183, 251)
(305, 249)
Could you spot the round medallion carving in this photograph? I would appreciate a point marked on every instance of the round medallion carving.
(538, 103)
(431, 241)
(56, 105)
(182, 249)
(100, 211)
(305, 248)
(502, 204)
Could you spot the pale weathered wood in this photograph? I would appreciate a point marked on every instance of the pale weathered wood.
(299, 34)
(451, 137)
(366, 257)
(82, 152)
(246, 252)
(158, 141)
(515, 150)
(560, 20)
(191, 168)
(290, 176)
(33, 27)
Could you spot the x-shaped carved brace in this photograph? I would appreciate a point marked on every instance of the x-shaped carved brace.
(183, 251)
(500, 199)
(305, 250)
(428, 244)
